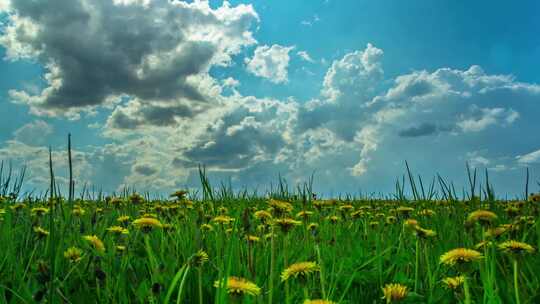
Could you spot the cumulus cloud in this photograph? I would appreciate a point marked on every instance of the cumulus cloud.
(270, 62)
(305, 56)
(147, 50)
(34, 133)
(529, 158)
(483, 118)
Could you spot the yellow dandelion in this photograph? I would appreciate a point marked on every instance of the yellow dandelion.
(96, 243)
(299, 270)
(207, 227)
(460, 256)
(39, 211)
(41, 233)
(424, 233)
(483, 244)
(304, 214)
(333, 219)
(391, 219)
(222, 219)
(345, 208)
(411, 224)
(78, 211)
(262, 215)
(453, 282)
(373, 224)
(426, 212)
(515, 247)
(534, 197)
(253, 239)
(483, 217)
(124, 219)
(147, 223)
(73, 254)
(404, 211)
(287, 224)
(395, 292)
(117, 230)
(319, 301)
(280, 206)
(199, 258)
(239, 286)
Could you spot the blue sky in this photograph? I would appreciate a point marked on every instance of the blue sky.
(252, 89)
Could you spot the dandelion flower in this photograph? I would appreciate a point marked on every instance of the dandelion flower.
(96, 243)
(39, 211)
(222, 219)
(262, 215)
(118, 230)
(395, 292)
(207, 227)
(515, 247)
(304, 214)
(460, 256)
(253, 238)
(147, 223)
(453, 282)
(41, 233)
(299, 270)
(73, 254)
(411, 224)
(199, 258)
(318, 302)
(239, 286)
(424, 233)
(484, 217)
(287, 224)
(124, 219)
(280, 206)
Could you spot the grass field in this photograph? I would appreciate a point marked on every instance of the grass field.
(218, 246)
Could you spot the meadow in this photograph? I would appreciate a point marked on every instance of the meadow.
(216, 245)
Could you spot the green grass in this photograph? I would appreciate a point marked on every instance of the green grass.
(356, 256)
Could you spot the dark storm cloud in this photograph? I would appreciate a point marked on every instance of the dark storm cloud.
(149, 114)
(423, 129)
(96, 49)
(145, 169)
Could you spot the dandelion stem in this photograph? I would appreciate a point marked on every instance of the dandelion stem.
(417, 261)
(199, 279)
(321, 270)
(272, 262)
(516, 286)
(466, 290)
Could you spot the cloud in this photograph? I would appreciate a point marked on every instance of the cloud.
(423, 129)
(311, 21)
(305, 56)
(483, 118)
(34, 133)
(270, 62)
(144, 169)
(146, 50)
(529, 158)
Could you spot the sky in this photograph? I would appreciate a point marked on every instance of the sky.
(345, 90)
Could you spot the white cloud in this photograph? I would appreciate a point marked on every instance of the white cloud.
(485, 117)
(4, 5)
(231, 82)
(530, 158)
(311, 21)
(33, 133)
(305, 56)
(270, 62)
(147, 50)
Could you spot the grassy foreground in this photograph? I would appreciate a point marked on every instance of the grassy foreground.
(284, 248)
